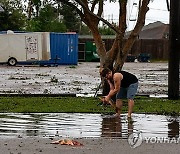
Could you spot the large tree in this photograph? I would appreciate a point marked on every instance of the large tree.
(33, 7)
(49, 20)
(43, 15)
(70, 18)
(91, 12)
(13, 17)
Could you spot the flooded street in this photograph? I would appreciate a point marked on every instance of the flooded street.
(77, 125)
(81, 79)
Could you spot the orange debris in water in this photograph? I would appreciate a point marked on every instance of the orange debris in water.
(68, 142)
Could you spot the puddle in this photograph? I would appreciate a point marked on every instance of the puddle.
(78, 125)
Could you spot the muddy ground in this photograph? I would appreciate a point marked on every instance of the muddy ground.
(83, 78)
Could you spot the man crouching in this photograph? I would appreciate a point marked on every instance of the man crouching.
(124, 85)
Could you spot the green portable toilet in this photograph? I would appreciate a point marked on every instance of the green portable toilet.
(90, 52)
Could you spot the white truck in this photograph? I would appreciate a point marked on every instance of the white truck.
(24, 47)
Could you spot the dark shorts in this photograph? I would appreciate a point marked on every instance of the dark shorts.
(128, 92)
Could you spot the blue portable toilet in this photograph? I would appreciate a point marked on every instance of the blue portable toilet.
(64, 48)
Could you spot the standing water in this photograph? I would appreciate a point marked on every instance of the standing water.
(78, 125)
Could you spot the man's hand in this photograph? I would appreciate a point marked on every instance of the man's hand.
(106, 98)
(109, 102)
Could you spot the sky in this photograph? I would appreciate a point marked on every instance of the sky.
(157, 12)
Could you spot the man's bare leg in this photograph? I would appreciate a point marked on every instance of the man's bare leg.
(119, 104)
(130, 107)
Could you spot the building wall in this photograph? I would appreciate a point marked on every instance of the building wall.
(157, 48)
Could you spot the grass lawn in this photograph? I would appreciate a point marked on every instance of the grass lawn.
(85, 105)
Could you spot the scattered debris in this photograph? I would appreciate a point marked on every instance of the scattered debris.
(82, 79)
(54, 79)
(67, 142)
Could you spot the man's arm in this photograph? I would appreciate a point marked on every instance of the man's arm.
(117, 84)
(111, 85)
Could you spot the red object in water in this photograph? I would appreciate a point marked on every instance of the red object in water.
(68, 142)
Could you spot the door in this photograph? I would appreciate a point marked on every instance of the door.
(31, 43)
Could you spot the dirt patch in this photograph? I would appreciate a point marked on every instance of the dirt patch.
(83, 78)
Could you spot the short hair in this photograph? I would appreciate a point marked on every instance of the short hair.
(105, 71)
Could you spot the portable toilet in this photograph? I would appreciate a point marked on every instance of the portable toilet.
(64, 48)
(90, 52)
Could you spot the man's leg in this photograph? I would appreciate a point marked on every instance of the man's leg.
(119, 104)
(130, 107)
(131, 92)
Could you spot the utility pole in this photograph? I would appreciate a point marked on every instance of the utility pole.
(174, 50)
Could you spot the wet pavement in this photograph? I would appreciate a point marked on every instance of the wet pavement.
(77, 125)
(83, 78)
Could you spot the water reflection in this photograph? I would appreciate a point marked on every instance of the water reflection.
(111, 127)
(116, 127)
(86, 125)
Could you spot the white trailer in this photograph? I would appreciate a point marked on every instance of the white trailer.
(24, 47)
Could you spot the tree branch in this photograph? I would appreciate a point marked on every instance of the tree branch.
(72, 5)
(100, 9)
(116, 51)
(93, 5)
(139, 25)
(141, 18)
(122, 16)
(86, 9)
(99, 15)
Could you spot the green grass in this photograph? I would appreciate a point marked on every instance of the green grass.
(157, 106)
(85, 105)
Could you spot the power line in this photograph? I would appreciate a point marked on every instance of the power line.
(158, 9)
(133, 13)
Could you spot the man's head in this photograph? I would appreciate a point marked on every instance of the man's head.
(106, 73)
